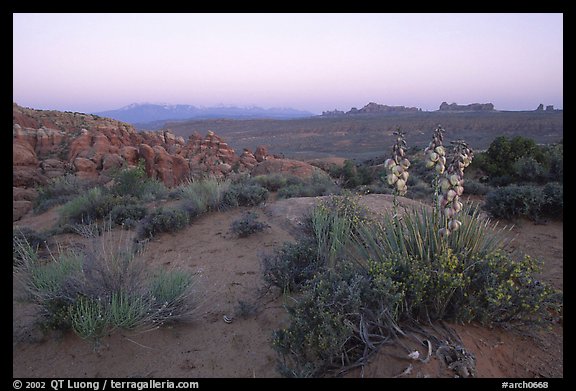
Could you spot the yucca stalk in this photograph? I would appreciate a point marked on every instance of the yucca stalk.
(397, 167)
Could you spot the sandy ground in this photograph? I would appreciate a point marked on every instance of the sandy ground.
(228, 271)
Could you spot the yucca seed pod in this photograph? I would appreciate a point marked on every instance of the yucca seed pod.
(397, 170)
(454, 179)
(444, 184)
(389, 163)
(443, 232)
(457, 206)
(391, 179)
(454, 225)
(442, 201)
(440, 168)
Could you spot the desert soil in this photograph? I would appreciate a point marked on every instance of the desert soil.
(228, 271)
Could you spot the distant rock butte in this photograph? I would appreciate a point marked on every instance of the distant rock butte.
(471, 107)
(372, 108)
(49, 144)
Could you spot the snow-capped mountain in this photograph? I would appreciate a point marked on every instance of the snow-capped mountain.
(141, 113)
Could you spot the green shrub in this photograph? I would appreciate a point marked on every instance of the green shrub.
(475, 187)
(525, 200)
(170, 291)
(504, 290)
(88, 318)
(527, 169)
(331, 325)
(127, 311)
(245, 194)
(203, 195)
(274, 182)
(291, 266)
(398, 271)
(247, 225)
(351, 175)
(316, 186)
(553, 193)
(104, 288)
(163, 220)
(135, 183)
(86, 208)
(59, 191)
(127, 214)
(26, 243)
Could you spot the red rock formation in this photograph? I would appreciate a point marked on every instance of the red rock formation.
(261, 154)
(49, 144)
(248, 159)
(286, 166)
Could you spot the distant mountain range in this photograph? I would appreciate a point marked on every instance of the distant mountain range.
(156, 114)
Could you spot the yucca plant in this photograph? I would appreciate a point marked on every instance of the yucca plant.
(415, 236)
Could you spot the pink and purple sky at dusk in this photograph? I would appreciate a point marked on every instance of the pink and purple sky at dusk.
(314, 62)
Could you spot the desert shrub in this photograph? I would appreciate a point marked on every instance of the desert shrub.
(203, 195)
(126, 310)
(501, 289)
(135, 183)
(163, 220)
(105, 287)
(274, 182)
(379, 187)
(475, 187)
(527, 169)
(88, 318)
(247, 225)
(418, 188)
(94, 204)
(520, 160)
(553, 193)
(291, 266)
(244, 194)
(127, 214)
(529, 201)
(59, 191)
(341, 314)
(317, 185)
(169, 292)
(46, 285)
(555, 161)
(399, 270)
(26, 243)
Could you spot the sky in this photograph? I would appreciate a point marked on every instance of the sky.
(315, 62)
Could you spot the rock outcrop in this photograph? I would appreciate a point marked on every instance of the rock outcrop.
(50, 144)
(471, 107)
(372, 108)
(287, 167)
